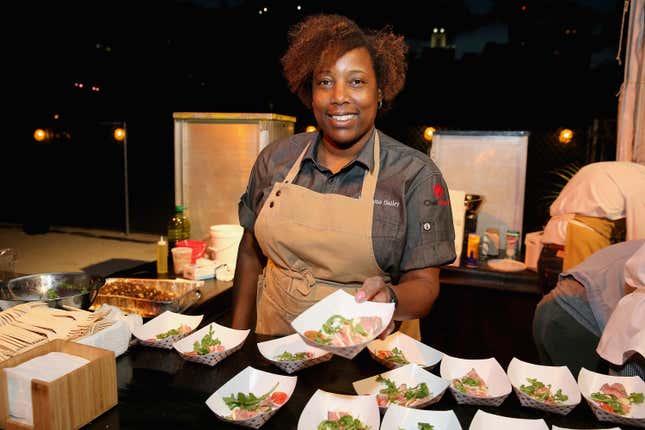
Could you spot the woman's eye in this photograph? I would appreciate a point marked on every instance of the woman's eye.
(357, 82)
(324, 82)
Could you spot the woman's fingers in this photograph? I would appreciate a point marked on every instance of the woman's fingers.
(373, 289)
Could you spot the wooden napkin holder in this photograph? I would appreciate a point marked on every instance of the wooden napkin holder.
(71, 401)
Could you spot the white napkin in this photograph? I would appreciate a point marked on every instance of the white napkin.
(117, 337)
(46, 368)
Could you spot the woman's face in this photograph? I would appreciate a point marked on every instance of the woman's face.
(345, 98)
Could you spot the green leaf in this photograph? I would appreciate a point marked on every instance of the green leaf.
(636, 398)
(331, 327)
(248, 403)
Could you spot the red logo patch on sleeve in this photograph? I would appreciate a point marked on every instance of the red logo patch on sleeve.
(439, 193)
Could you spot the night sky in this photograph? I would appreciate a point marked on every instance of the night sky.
(549, 65)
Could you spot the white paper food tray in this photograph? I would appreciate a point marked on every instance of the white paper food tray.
(411, 375)
(341, 303)
(398, 417)
(315, 411)
(413, 350)
(559, 377)
(486, 421)
(488, 369)
(161, 324)
(250, 380)
(292, 343)
(231, 339)
(590, 382)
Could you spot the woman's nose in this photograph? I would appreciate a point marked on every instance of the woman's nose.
(339, 94)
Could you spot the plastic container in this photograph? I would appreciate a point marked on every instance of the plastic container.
(533, 242)
(198, 247)
(225, 240)
(512, 240)
(162, 256)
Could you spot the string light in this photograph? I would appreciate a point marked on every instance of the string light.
(119, 134)
(428, 133)
(566, 136)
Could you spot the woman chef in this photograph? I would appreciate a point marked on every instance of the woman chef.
(346, 207)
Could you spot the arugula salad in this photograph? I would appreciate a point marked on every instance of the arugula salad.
(341, 421)
(471, 384)
(207, 344)
(341, 331)
(182, 329)
(245, 406)
(401, 394)
(421, 426)
(395, 355)
(298, 356)
(539, 391)
(615, 399)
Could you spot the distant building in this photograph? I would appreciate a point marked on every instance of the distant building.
(438, 38)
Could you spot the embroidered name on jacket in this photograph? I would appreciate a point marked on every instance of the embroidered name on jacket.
(392, 203)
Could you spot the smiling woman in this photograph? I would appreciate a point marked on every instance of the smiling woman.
(346, 207)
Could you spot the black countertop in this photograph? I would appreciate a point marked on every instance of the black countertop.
(158, 389)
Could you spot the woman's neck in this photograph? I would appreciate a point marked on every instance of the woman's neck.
(336, 157)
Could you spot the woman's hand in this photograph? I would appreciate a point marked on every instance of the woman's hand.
(375, 289)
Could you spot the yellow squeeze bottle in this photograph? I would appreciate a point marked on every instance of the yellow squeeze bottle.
(162, 256)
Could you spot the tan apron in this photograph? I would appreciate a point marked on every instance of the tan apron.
(586, 235)
(315, 244)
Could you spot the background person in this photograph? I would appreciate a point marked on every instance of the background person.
(602, 204)
(346, 207)
(622, 343)
(569, 320)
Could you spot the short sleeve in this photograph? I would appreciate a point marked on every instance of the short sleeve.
(430, 236)
(253, 197)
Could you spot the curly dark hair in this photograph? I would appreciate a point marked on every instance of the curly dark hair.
(321, 38)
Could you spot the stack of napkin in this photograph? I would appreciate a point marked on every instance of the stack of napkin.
(46, 368)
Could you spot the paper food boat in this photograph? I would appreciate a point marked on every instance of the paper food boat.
(293, 344)
(590, 382)
(488, 369)
(484, 421)
(321, 402)
(411, 375)
(413, 350)
(250, 380)
(162, 323)
(231, 339)
(559, 377)
(567, 428)
(344, 304)
(399, 417)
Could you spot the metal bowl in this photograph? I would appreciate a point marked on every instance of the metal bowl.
(57, 289)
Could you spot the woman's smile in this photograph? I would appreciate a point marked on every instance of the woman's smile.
(345, 99)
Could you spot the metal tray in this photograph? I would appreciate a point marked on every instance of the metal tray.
(148, 297)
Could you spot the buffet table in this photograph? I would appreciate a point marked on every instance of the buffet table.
(158, 389)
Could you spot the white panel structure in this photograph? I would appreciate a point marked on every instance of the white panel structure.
(491, 164)
(214, 154)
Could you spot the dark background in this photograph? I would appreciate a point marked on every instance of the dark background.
(537, 66)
